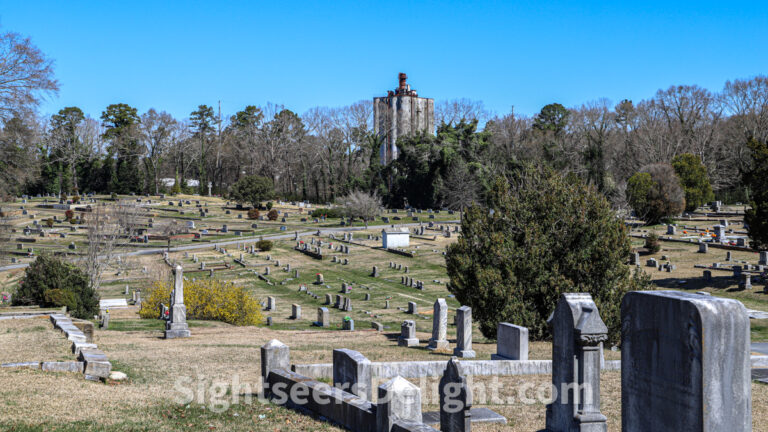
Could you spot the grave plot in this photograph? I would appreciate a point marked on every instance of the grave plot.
(32, 340)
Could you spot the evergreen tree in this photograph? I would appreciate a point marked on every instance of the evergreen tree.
(542, 235)
(694, 179)
(756, 179)
(202, 121)
(51, 282)
(120, 121)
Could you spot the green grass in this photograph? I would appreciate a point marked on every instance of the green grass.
(759, 330)
(154, 324)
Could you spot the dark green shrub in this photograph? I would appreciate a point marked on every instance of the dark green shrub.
(264, 245)
(655, 193)
(252, 190)
(51, 282)
(269, 205)
(652, 243)
(337, 212)
(547, 235)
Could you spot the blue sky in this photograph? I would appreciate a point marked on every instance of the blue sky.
(174, 56)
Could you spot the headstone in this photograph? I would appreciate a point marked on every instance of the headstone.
(578, 333)
(322, 317)
(763, 258)
(455, 400)
(271, 306)
(295, 311)
(412, 308)
(104, 324)
(439, 326)
(408, 334)
(671, 230)
(464, 333)
(348, 324)
(375, 272)
(685, 363)
(352, 373)
(274, 355)
(708, 275)
(328, 299)
(746, 281)
(703, 248)
(720, 235)
(728, 256)
(511, 342)
(398, 399)
(176, 326)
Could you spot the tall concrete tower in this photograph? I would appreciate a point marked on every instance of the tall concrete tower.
(401, 112)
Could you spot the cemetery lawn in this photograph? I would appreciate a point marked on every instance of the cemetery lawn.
(34, 400)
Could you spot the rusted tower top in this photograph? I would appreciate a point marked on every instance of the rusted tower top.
(402, 76)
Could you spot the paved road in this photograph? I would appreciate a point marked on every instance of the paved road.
(240, 240)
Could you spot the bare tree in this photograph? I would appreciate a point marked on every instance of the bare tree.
(461, 188)
(26, 75)
(746, 101)
(109, 228)
(358, 204)
(455, 110)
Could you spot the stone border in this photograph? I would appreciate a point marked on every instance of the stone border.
(96, 367)
(417, 369)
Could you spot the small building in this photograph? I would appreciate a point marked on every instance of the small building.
(391, 239)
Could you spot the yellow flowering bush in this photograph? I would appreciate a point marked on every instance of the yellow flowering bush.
(207, 299)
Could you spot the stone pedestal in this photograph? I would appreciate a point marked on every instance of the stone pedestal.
(578, 332)
(408, 334)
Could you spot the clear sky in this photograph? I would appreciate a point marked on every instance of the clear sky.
(174, 55)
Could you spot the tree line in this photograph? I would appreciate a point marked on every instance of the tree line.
(326, 153)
